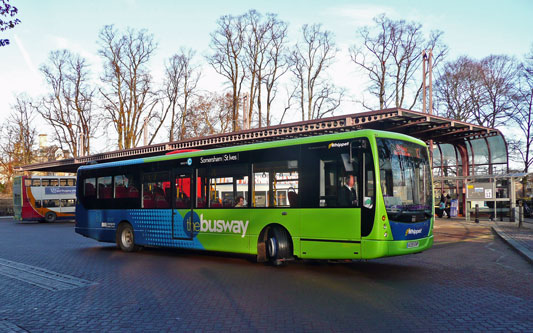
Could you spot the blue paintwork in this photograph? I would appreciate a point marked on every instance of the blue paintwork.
(407, 231)
(151, 227)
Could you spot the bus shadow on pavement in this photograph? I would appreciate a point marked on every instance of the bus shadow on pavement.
(381, 269)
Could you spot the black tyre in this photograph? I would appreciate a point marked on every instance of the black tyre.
(50, 217)
(278, 246)
(125, 238)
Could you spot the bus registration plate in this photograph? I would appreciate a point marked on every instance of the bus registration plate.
(411, 245)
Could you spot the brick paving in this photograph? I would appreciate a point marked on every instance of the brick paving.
(520, 238)
(469, 281)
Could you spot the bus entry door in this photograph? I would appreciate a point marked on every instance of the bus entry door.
(184, 224)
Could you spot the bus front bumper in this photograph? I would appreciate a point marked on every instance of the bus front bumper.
(371, 249)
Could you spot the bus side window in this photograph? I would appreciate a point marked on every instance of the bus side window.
(154, 187)
(104, 187)
(63, 182)
(68, 202)
(71, 182)
(220, 186)
(45, 182)
(27, 182)
(121, 184)
(37, 203)
(54, 182)
(202, 188)
(220, 192)
(275, 184)
(51, 203)
(89, 189)
(35, 182)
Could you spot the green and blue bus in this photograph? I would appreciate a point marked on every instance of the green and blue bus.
(354, 195)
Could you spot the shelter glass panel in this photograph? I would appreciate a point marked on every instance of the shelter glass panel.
(448, 155)
(498, 149)
(481, 151)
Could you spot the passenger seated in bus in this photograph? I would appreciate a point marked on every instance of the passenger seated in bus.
(347, 193)
(240, 201)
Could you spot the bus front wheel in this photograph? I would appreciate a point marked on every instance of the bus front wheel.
(278, 246)
(50, 217)
(125, 238)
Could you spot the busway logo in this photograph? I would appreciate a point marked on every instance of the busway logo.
(193, 224)
(410, 231)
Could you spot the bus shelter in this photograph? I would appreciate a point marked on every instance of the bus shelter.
(496, 196)
(474, 169)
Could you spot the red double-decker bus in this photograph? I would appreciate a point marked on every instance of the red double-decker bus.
(44, 198)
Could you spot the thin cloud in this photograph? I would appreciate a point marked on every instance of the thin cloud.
(359, 15)
(64, 43)
(26, 56)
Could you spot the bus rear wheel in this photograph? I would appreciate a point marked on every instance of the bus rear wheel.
(278, 246)
(125, 238)
(50, 217)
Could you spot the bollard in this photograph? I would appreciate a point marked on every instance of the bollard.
(476, 214)
(520, 213)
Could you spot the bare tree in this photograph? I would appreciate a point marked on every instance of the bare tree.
(498, 79)
(523, 112)
(390, 52)
(68, 107)
(458, 89)
(18, 139)
(129, 99)
(310, 60)
(276, 63)
(227, 43)
(210, 114)
(181, 79)
(478, 91)
(254, 56)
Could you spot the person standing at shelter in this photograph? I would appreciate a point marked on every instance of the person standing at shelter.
(448, 205)
(442, 205)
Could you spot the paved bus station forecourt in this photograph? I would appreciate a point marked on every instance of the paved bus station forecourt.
(468, 281)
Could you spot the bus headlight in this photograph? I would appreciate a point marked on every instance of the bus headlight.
(385, 235)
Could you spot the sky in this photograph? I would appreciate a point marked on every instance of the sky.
(473, 28)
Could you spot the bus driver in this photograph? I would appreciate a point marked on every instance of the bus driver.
(347, 193)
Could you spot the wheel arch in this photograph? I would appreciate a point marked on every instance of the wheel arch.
(262, 239)
(121, 225)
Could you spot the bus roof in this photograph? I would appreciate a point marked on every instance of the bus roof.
(261, 145)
